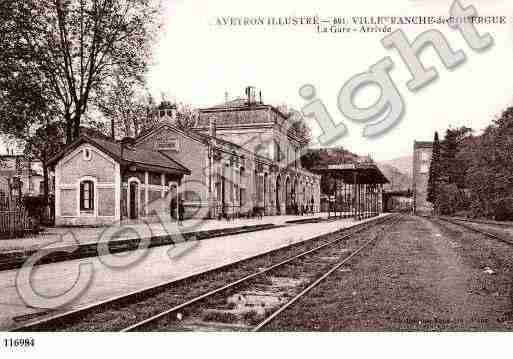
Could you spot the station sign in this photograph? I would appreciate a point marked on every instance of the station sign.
(343, 166)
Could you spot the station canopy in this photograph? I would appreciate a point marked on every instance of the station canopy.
(361, 173)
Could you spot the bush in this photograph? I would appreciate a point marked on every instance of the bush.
(35, 205)
(451, 199)
(503, 209)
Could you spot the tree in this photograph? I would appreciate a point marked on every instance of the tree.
(127, 105)
(452, 170)
(298, 127)
(434, 171)
(490, 174)
(73, 49)
(46, 142)
(187, 117)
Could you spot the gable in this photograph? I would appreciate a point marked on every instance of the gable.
(97, 164)
(169, 139)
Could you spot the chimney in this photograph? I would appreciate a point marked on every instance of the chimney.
(250, 95)
(260, 93)
(226, 97)
(212, 126)
(127, 143)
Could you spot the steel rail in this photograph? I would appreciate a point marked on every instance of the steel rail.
(283, 308)
(249, 277)
(472, 228)
(62, 316)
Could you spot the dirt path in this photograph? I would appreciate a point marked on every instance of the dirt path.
(447, 277)
(420, 276)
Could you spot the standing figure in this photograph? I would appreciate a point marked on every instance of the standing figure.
(172, 208)
(181, 210)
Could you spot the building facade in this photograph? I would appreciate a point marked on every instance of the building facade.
(20, 177)
(239, 159)
(422, 152)
(99, 181)
(243, 159)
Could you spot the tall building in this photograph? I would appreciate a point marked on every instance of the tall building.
(422, 151)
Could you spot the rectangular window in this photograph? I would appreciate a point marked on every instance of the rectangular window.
(424, 168)
(242, 197)
(87, 196)
(278, 154)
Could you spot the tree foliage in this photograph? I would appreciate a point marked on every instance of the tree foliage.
(434, 171)
(477, 171)
(73, 49)
(45, 143)
(127, 105)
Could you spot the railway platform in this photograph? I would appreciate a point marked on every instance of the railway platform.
(161, 264)
(87, 235)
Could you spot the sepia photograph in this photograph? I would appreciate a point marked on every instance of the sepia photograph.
(186, 173)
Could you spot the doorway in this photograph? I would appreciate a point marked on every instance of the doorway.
(133, 202)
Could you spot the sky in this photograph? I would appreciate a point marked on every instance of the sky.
(197, 62)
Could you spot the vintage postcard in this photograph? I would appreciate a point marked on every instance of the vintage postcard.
(175, 167)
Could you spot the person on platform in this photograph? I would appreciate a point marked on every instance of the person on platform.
(181, 211)
(172, 208)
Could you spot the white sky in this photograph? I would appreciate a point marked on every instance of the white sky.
(197, 62)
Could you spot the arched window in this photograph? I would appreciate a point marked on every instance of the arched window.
(87, 196)
(87, 154)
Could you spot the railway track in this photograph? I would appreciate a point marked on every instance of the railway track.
(57, 321)
(465, 224)
(176, 321)
(480, 221)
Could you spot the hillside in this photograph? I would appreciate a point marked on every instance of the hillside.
(399, 181)
(403, 164)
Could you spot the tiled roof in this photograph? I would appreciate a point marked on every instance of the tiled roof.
(138, 155)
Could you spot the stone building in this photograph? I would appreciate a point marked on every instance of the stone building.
(422, 151)
(100, 181)
(273, 176)
(241, 158)
(20, 176)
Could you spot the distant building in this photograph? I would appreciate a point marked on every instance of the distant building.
(422, 151)
(19, 175)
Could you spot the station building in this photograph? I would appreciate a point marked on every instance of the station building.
(422, 151)
(240, 158)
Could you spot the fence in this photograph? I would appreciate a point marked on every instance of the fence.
(14, 218)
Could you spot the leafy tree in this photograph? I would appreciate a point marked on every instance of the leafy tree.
(72, 49)
(434, 171)
(46, 142)
(298, 127)
(490, 175)
(126, 104)
(452, 169)
(187, 117)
